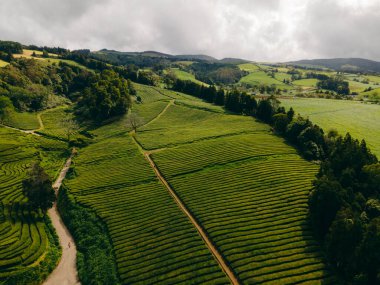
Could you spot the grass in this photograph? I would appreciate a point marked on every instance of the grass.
(260, 77)
(153, 241)
(361, 120)
(182, 124)
(245, 186)
(28, 250)
(250, 67)
(23, 120)
(53, 58)
(281, 76)
(311, 82)
(3, 63)
(248, 190)
(52, 123)
(184, 75)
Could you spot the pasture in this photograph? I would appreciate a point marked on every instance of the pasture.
(359, 119)
(260, 77)
(184, 75)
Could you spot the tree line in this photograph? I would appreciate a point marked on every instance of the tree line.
(344, 204)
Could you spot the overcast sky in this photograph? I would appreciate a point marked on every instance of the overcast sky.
(262, 30)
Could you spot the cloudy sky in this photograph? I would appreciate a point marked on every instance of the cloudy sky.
(262, 30)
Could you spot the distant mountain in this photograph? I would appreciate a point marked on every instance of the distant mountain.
(232, 60)
(195, 57)
(342, 64)
(128, 53)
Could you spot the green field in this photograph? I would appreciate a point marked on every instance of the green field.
(26, 243)
(250, 67)
(306, 82)
(184, 75)
(3, 63)
(360, 119)
(153, 240)
(222, 167)
(24, 120)
(260, 77)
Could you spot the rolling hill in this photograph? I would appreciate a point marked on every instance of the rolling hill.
(341, 64)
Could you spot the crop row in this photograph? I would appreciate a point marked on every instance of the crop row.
(181, 125)
(23, 236)
(219, 152)
(153, 240)
(253, 209)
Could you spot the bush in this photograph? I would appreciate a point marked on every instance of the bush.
(96, 262)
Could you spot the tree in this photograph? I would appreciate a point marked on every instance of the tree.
(69, 126)
(281, 121)
(45, 54)
(5, 108)
(134, 121)
(342, 240)
(324, 202)
(37, 187)
(290, 114)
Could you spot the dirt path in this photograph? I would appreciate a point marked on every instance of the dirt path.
(20, 130)
(219, 258)
(223, 264)
(65, 273)
(33, 132)
(171, 102)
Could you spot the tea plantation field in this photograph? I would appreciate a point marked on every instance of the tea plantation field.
(27, 244)
(246, 187)
(359, 119)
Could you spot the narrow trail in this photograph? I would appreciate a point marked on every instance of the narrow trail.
(223, 264)
(33, 132)
(21, 130)
(171, 102)
(218, 256)
(65, 273)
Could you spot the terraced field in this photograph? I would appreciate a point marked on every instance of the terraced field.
(26, 243)
(360, 119)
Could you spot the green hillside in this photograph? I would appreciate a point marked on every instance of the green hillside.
(212, 160)
(28, 247)
(361, 120)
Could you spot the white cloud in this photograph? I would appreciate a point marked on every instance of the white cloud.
(270, 30)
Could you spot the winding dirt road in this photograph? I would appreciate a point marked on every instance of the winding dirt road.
(65, 273)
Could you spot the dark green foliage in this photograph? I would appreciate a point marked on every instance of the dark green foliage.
(10, 47)
(148, 78)
(345, 204)
(96, 261)
(37, 187)
(6, 107)
(280, 123)
(217, 73)
(265, 111)
(107, 97)
(324, 202)
(342, 240)
(336, 84)
(369, 253)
